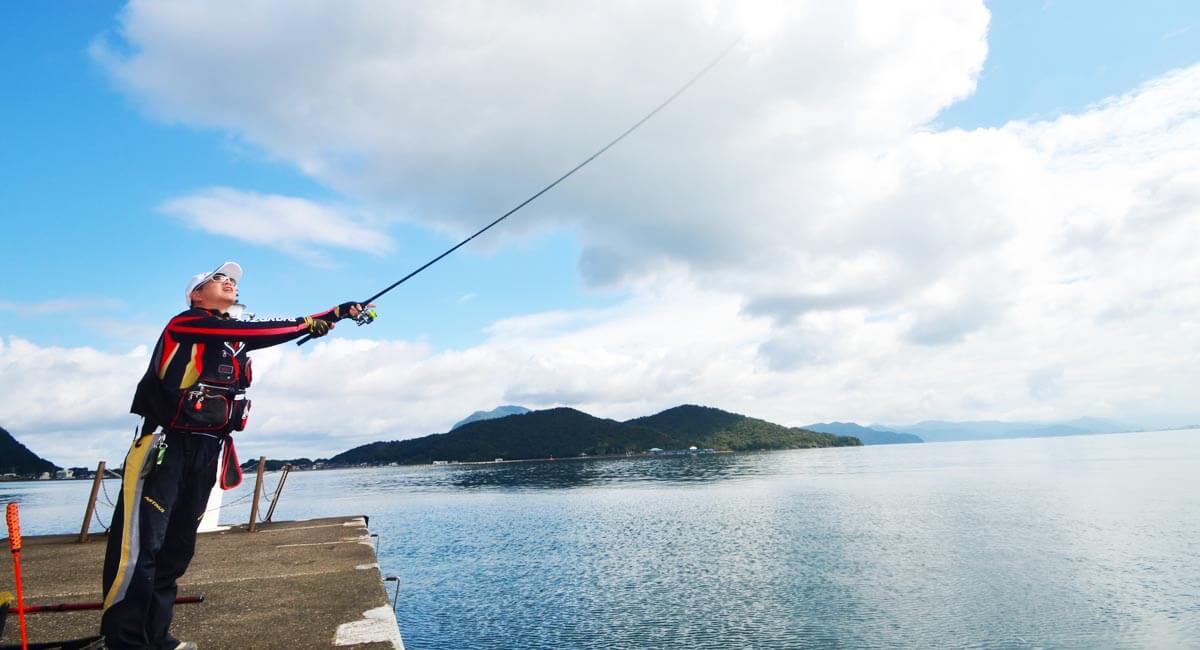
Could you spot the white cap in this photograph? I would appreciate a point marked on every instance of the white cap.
(232, 269)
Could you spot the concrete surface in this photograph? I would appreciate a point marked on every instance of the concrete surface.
(296, 584)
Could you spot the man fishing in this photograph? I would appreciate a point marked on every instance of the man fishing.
(192, 397)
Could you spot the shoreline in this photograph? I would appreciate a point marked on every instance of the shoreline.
(643, 455)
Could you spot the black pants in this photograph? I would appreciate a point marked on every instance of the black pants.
(153, 535)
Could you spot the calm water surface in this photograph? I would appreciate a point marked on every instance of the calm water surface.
(1066, 542)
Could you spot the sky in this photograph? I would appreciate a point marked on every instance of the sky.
(952, 210)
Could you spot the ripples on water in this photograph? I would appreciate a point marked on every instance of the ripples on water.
(1066, 542)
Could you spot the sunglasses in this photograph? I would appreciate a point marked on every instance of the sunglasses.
(221, 278)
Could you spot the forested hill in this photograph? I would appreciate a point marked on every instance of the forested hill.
(566, 432)
(724, 430)
(15, 458)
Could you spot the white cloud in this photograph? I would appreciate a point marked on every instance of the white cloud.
(293, 225)
(69, 404)
(450, 114)
(671, 345)
(857, 263)
(1046, 383)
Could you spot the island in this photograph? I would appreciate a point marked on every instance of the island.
(569, 433)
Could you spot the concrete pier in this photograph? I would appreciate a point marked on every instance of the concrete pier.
(296, 584)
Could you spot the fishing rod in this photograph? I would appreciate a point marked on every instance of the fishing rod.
(85, 606)
(367, 315)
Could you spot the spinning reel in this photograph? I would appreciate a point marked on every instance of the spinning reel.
(365, 317)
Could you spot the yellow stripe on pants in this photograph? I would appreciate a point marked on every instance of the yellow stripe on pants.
(131, 495)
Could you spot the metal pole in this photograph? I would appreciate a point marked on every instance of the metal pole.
(278, 490)
(396, 596)
(91, 506)
(262, 465)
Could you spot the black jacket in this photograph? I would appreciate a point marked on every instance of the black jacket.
(199, 372)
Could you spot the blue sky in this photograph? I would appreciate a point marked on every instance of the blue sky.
(827, 230)
(87, 171)
(1047, 57)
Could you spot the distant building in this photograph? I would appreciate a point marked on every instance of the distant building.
(690, 451)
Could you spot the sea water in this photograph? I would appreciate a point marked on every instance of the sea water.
(1080, 542)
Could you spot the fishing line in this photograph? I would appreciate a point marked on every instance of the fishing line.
(703, 71)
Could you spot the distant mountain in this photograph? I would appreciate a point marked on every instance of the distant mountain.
(941, 431)
(498, 412)
(15, 458)
(868, 435)
(566, 432)
(1100, 425)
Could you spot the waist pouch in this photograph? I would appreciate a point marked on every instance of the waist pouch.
(211, 409)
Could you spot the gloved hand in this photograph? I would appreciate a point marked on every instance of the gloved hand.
(317, 327)
(343, 310)
(348, 310)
